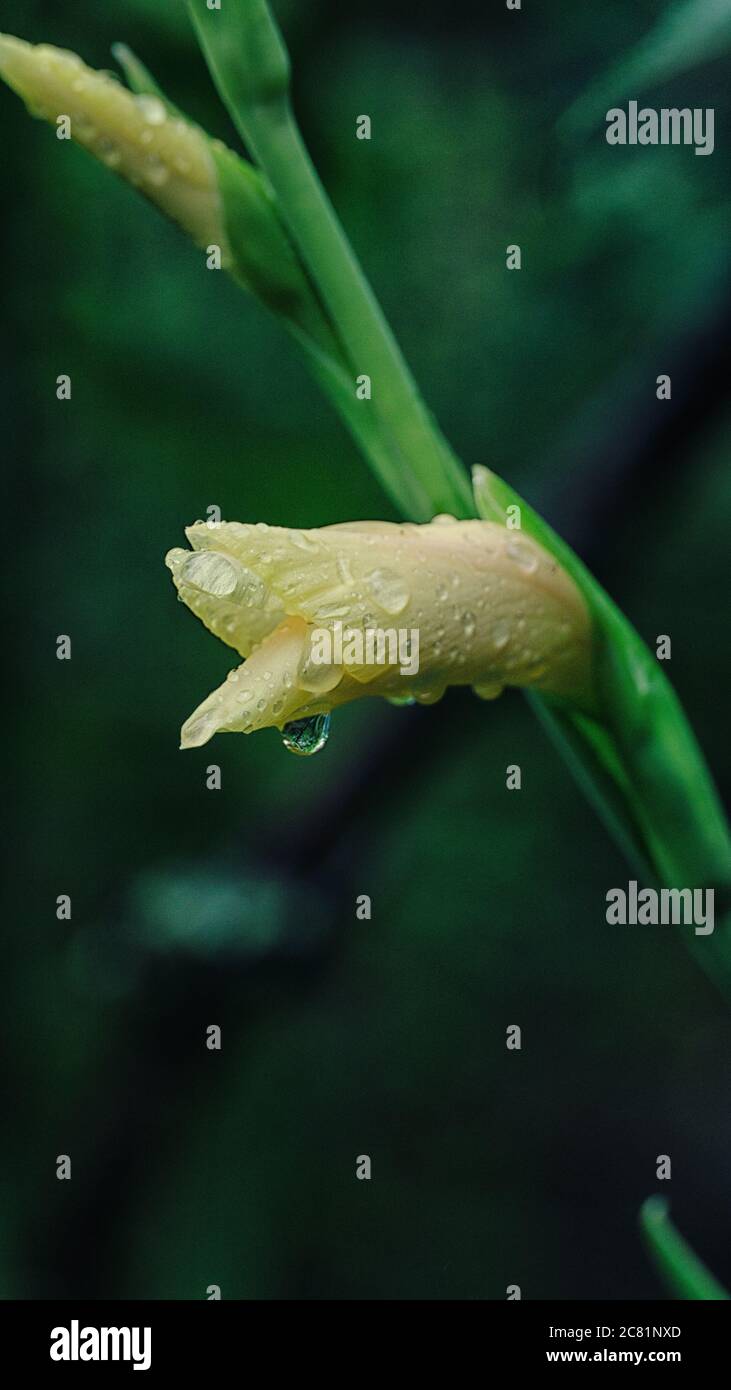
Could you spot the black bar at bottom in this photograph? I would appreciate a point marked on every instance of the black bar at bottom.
(158, 1338)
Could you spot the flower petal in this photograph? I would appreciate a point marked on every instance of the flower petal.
(231, 601)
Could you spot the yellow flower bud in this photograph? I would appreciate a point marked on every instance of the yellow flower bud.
(164, 156)
(330, 615)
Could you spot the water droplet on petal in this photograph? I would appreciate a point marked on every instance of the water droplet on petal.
(523, 555)
(108, 154)
(156, 172)
(488, 691)
(468, 624)
(389, 590)
(318, 677)
(303, 542)
(501, 634)
(429, 697)
(210, 572)
(329, 611)
(444, 519)
(306, 736)
(153, 109)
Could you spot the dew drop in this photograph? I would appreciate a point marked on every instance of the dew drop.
(389, 590)
(210, 572)
(501, 634)
(303, 542)
(488, 691)
(318, 678)
(83, 130)
(156, 172)
(468, 624)
(444, 519)
(329, 611)
(523, 555)
(306, 736)
(152, 109)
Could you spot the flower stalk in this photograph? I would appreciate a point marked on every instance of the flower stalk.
(623, 731)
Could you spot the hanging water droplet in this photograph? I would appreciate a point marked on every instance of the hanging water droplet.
(389, 590)
(306, 736)
(523, 555)
(489, 690)
(152, 109)
(401, 700)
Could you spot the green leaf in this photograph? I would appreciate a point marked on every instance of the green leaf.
(139, 78)
(679, 1267)
(686, 35)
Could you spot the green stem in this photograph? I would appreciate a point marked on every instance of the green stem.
(683, 1273)
(249, 64)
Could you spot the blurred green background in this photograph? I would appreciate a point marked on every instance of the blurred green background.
(237, 907)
